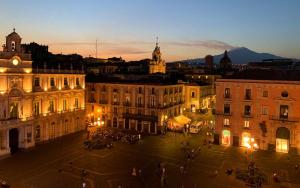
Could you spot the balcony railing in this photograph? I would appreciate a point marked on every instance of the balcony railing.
(227, 96)
(139, 105)
(92, 100)
(103, 102)
(222, 113)
(247, 115)
(140, 117)
(284, 118)
(115, 103)
(248, 97)
(126, 104)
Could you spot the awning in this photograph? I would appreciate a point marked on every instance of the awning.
(181, 120)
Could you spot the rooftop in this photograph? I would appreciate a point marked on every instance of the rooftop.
(260, 74)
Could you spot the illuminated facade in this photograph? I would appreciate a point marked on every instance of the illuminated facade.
(199, 97)
(157, 64)
(144, 107)
(36, 105)
(262, 113)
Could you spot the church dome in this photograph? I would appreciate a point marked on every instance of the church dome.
(14, 35)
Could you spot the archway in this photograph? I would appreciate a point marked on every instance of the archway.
(246, 139)
(226, 137)
(282, 139)
(14, 140)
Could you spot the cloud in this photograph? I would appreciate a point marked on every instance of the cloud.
(210, 44)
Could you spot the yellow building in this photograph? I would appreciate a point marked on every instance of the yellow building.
(258, 113)
(36, 105)
(143, 106)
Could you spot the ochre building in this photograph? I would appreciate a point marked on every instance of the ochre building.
(261, 111)
(36, 105)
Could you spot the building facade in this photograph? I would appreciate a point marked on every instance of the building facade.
(144, 107)
(265, 113)
(36, 105)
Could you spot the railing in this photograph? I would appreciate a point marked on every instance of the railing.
(140, 117)
(284, 118)
(223, 113)
(115, 103)
(247, 115)
(58, 71)
(126, 104)
(103, 102)
(247, 97)
(91, 100)
(226, 126)
(139, 105)
(227, 96)
(23, 119)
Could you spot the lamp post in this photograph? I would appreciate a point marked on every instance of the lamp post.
(251, 145)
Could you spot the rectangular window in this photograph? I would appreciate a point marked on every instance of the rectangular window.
(265, 110)
(64, 105)
(52, 83)
(247, 110)
(246, 124)
(226, 108)
(77, 82)
(248, 94)
(193, 94)
(139, 101)
(115, 110)
(76, 103)
(65, 82)
(284, 111)
(36, 82)
(265, 93)
(152, 91)
(103, 109)
(227, 93)
(140, 90)
(226, 122)
(36, 108)
(51, 106)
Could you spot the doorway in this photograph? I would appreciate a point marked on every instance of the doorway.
(14, 140)
(282, 140)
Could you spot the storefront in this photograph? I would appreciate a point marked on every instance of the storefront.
(178, 123)
(246, 139)
(282, 140)
(226, 137)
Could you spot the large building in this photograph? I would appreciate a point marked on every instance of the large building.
(143, 105)
(36, 105)
(259, 107)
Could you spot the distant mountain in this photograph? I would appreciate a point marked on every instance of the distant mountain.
(240, 55)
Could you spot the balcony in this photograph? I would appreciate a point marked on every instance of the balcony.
(151, 106)
(139, 105)
(37, 88)
(220, 113)
(226, 126)
(227, 96)
(247, 115)
(140, 117)
(103, 102)
(115, 103)
(284, 118)
(92, 100)
(247, 98)
(126, 104)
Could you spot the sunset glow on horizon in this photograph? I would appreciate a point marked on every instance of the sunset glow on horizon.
(186, 30)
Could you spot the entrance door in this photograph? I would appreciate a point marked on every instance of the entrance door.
(282, 145)
(126, 123)
(152, 127)
(282, 139)
(14, 140)
(235, 141)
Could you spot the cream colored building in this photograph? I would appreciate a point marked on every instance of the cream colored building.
(199, 97)
(144, 107)
(35, 105)
(263, 114)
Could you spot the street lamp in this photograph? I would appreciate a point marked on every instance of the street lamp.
(251, 145)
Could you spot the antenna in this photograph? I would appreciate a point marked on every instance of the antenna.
(96, 48)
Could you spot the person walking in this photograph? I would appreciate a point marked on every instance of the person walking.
(133, 171)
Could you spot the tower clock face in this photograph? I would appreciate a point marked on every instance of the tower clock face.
(15, 62)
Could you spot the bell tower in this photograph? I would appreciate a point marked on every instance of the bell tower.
(13, 42)
(157, 64)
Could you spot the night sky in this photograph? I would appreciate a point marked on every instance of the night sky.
(128, 28)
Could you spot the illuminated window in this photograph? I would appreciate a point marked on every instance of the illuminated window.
(227, 93)
(64, 105)
(76, 103)
(51, 106)
(226, 137)
(284, 111)
(226, 122)
(246, 138)
(52, 82)
(265, 110)
(246, 124)
(36, 108)
(13, 46)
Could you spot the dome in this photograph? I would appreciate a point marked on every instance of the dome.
(14, 35)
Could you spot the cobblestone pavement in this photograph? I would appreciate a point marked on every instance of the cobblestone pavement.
(59, 164)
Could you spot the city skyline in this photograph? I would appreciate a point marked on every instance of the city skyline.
(128, 29)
